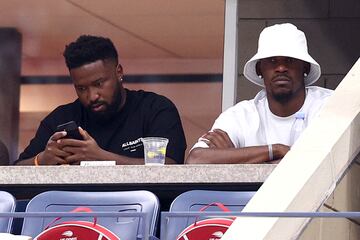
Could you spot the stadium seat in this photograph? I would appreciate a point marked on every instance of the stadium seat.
(126, 228)
(7, 205)
(193, 201)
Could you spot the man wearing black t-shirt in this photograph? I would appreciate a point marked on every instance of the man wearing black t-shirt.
(112, 119)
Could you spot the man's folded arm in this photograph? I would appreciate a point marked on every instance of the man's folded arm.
(229, 155)
(256, 154)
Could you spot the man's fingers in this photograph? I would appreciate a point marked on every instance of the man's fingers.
(74, 142)
(218, 138)
(56, 136)
(53, 154)
(205, 140)
(47, 159)
(214, 138)
(60, 161)
(84, 134)
(211, 145)
(56, 151)
(225, 137)
(72, 150)
(70, 142)
(62, 153)
(222, 134)
(74, 159)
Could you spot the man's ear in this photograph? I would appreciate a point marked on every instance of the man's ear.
(257, 68)
(119, 71)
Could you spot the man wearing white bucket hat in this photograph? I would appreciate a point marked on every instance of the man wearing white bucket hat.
(263, 129)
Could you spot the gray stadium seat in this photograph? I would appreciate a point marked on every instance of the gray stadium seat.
(193, 201)
(127, 228)
(7, 205)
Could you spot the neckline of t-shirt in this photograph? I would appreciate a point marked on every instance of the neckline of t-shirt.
(271, 114)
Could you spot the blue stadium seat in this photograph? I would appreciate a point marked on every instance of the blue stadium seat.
(127, 228)
(7, 205)
(193, 201)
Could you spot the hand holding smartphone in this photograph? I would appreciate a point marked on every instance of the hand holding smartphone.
(71, 129)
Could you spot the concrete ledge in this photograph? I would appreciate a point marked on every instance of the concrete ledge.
(136, 174)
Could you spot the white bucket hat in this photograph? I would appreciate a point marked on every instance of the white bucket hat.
(282, 40)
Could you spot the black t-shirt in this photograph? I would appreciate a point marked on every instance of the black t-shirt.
(145, 114)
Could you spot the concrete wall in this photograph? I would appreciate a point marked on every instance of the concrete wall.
(345, 198)
(331, 27)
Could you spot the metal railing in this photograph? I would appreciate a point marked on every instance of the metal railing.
(167, 216)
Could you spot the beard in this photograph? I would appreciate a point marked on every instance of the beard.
(284, 96)
(111, 109)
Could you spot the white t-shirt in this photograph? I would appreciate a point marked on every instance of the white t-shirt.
(251, 123)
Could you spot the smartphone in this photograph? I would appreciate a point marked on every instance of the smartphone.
(72, 130)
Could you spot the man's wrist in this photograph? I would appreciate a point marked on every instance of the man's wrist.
(271, 153)
(36, 160)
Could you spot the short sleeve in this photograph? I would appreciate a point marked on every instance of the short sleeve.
(227, 121)
(164, 121)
